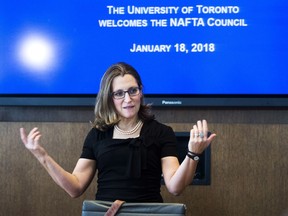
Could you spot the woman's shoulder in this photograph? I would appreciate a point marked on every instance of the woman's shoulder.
(158, 132)
(157, 126)
(156, 123)
(98, 134)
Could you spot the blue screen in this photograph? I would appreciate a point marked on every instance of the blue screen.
(178, 47)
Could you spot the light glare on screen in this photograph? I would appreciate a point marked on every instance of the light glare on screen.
(36, 52)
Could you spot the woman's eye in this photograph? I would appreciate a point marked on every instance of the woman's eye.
(119, 93)
(133, 90)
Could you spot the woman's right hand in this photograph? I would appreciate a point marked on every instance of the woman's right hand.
(31, 141)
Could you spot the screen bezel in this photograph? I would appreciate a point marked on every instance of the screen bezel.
(155, 100)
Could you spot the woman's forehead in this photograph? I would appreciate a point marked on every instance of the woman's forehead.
(123, 82)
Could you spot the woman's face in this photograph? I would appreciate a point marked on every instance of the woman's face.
(128, 106)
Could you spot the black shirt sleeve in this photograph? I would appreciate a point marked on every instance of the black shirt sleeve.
(164, 136)
(168, 142)
(87, 150)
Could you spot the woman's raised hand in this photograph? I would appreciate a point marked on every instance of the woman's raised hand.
(199, 137)
(31, 141)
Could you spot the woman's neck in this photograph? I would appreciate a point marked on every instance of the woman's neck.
(127, 131)
(128, 124)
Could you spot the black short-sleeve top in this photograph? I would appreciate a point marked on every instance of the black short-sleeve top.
(130, 169)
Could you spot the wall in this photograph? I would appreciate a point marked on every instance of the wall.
(249, 162)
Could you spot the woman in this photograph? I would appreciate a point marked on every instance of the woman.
(127, 147)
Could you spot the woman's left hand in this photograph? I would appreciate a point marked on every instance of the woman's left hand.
(199, 139)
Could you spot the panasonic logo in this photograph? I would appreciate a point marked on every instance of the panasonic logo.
(172, 102)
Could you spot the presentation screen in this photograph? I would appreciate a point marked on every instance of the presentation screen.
(182, 49)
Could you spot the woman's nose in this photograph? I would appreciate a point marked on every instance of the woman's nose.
(127, 97)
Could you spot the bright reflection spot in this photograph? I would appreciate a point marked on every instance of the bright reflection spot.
(36, 52)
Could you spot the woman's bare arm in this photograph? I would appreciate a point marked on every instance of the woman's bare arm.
(176, 176)
(74, 183)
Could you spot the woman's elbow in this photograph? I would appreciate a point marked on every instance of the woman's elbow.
(75, 193)
(74, 196)
(175, 191)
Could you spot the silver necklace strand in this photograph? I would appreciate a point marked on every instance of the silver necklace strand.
(130, 132)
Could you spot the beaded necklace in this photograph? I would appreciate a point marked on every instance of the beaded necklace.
(130, 132)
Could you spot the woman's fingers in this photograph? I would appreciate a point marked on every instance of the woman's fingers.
(34, 136)
(195, 131)
(205, 129)
(23, 136)
(199, 136)
(211, 137)
(200, 130)
(30, 140)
